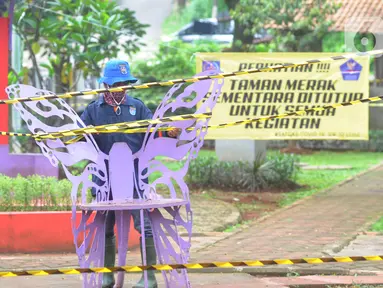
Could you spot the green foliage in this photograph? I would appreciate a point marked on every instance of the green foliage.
(285, 167)
(313, 181)
(295, 35)
(334, 42)
(75, 35)
(277, 171)
(374, 143)
(34, 193)
(173, 60)
(377, 226)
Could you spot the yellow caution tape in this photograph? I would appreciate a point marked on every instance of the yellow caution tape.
(110, 128)
(128, 127)
(80, 105)
(190, 266)
(189, 80)
(263, 119)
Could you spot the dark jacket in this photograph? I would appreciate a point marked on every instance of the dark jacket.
(99, 112)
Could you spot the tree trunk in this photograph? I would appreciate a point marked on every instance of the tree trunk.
(293, 144)
(317, 46)
(59, 86)
(240, 40)
(181, 4)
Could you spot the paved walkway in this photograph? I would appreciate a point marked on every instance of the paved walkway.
(208, 280)
(313, 227)
(316, 227)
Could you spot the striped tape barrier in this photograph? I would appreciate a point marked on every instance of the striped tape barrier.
(262, 119)
(190, 80)
(190, 266)
(125, 127)
(110, 128)
(284, 115)
(81, 105)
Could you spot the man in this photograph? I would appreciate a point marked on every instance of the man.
(114, 108)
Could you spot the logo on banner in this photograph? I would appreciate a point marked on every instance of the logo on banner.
(351, 70)
(210, 65)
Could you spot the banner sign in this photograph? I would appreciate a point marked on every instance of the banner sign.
(288, 90)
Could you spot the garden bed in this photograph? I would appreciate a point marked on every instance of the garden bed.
(42, 232)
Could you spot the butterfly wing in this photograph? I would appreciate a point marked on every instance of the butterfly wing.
(169, 224)
(46, 116)
(203, 95)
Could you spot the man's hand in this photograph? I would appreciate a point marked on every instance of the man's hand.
(174, 132)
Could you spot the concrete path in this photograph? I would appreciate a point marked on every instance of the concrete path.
(198, 280)
(316, 227)
(207, 280)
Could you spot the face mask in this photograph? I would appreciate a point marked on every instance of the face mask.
(114, 98)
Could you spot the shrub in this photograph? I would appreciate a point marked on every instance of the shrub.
(285, 169)
(34, 193)
(277, 171)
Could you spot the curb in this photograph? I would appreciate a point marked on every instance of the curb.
(233, 219)
(277, 271)
(283, 271)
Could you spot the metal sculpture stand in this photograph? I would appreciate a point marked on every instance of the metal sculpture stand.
(123, 208)
(126, 173)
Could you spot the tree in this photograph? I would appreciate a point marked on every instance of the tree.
(181, 4)
(298, 25)
(173, 60)
(64, 36)
(241, 32)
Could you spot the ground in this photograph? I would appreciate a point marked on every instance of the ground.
(257, 204)
(326, 224)
(251, 205)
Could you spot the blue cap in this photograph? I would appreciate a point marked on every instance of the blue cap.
(117, 71)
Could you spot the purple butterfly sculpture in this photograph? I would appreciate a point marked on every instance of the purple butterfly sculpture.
(164, 211)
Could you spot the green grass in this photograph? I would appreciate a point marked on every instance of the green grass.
(377, 226)
(318, 180)
(236, 226)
